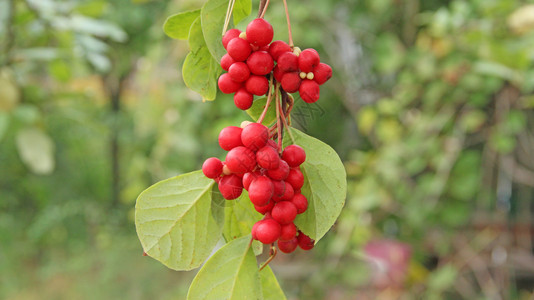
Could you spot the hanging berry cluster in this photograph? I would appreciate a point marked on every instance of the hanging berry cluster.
(255, 161)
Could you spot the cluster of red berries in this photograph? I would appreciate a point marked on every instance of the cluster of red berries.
(273, 182)
(251, 58)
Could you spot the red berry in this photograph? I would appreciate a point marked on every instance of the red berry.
(226, 62)
(243, 99)
(277, 73)
(260, 63)
(257, 85)
(212, 167)
(279, 190)
(284, 212)
(239, 49)
(259, 32)
(294, 155)
(239, 72)
(260, 191)
(240, 160)
(322, 73)
(308, 60)
(280, 173)
(267, 158)
(227, 85)
(289, 232)
(295, 178)
(309, 91)
(278, 48)
(230, 137)
(230, 35)
(288, 246)
(267, 231)
(265, 208)
(291, 82)
(273, 144)
(249, 177)
(305, 242)
(289, 192)
(255, 136)
(288, 62)
(230, 187)
(300, 202)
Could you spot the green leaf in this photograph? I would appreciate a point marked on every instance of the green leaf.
(269, 285)
(239, 217)
(179, 220)
(325, 185)
(177, 26)
(242, 9)
(257, 108)
(200, 71)
(231, 273)
(212, 14)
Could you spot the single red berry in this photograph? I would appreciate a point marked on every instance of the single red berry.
(267, 231)
(284, 212)
(322, 73)
(249, 177)
(260, 63)
(230, 187)
(230, 137)
(230, 35)
(294, 155)
(291, 82)
(308, 60)
(277, 73)
(243, 99)
(254, 228)
(226, 62)
(212, 167)
(309, 91)
(240, 160)
(239, 49)
(280, 173)
(273, 144)
(295, 178)
(288, 62)
(289, 232)
(260, 191)
(305, 242)
(278, 48)
(289, 192)
(239, 71)
(227, 85)
(300, 202)
(264, 209)
(288, 246)
(279, 190)
(259, 32)
(255, 136)
(267, 158)
(257, 85)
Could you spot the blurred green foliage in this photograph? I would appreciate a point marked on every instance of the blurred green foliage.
(430, 108)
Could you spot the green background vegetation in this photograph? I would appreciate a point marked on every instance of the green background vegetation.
(430, 108)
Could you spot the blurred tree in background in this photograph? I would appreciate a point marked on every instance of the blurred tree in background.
(431, 108)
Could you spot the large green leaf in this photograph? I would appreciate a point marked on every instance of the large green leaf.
(325, 185)
(200, 70)
(269, 285)
(242, 9)
(257, 108)
(212, 14)
(239, 217)
(177, 26)
(231, 273)
(179, 220)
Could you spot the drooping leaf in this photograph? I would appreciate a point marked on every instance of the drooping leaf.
(231, 273)
(239, 217)
(200, 71)
(212, 14)
(177, 26)
(325, 185)
(36, 149)
(257, 108)
(269, 285)
(179, 221)
(242, 9)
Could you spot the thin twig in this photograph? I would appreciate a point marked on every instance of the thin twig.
(268, 103)
(271, 257)
(229, 11)
(261, 8)
(288, 26)
(265, 8)
(284, 121)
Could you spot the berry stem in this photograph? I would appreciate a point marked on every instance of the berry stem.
(229, 11)
(261, 8)
(268, 103)
(288, 26)
(284, 121)
(271, 257)
(278, 123)
(264, 8)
